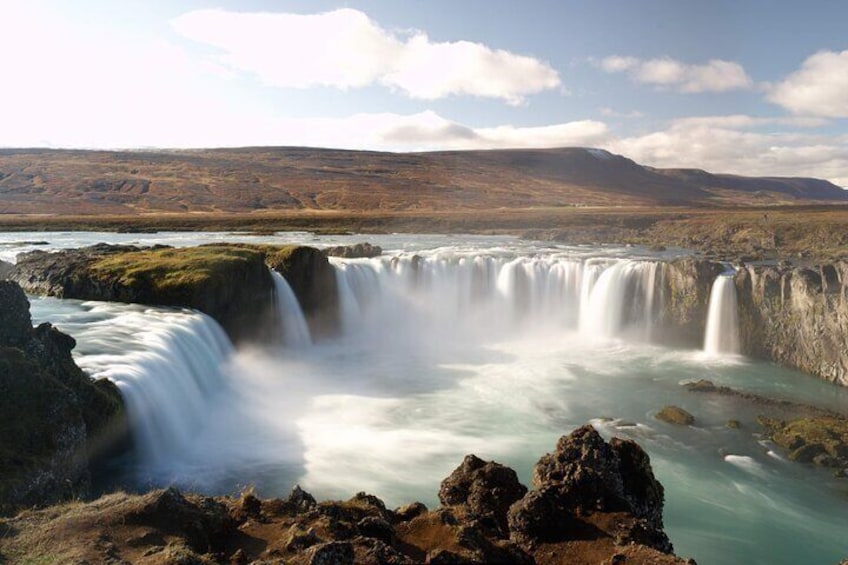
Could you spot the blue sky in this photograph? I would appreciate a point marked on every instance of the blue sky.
(750, 87)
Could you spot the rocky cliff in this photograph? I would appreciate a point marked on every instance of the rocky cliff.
(593, 502)
(795, 316)
(230, 283)
(55, 422)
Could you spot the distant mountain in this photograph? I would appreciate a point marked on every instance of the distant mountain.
(46, 181)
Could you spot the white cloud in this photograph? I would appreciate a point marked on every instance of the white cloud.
(818, 88)
(734, 144)
(611, 113)
(428, 131)
(716, 75)
(346, 49)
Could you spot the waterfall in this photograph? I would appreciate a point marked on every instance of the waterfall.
(292, 322)
(722, 335)
(444, 295)
(168, 369)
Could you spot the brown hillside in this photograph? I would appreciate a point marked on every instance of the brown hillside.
(42, 181)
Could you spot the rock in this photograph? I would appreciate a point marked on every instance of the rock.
(410, 511)
(821, 440)
(486, 489)
(300, 538)
(675, 415)
(15, 321)
(358, 250)
(202, 522)
(376, 528)
(5, 269)
(733, 424)
(331, 553)
(56, 424)
(583, 476)
(300, 500)
(230, 283)
(313, 280)
(796, 317)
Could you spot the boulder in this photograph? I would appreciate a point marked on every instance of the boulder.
(486, 489)
(584, 476)
(675, 415)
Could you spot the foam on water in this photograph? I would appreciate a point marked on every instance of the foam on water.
(491, 347)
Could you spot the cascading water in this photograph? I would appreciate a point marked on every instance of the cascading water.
(722, 333)
(474, 295)
(293, 324)
(453, 352)
(168, 365)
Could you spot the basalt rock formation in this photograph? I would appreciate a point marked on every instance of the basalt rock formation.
(797, 317)
(593, 502)
(55, 422)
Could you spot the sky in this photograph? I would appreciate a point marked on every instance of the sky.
(756, 87)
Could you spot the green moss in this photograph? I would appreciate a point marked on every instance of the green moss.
(172, 271)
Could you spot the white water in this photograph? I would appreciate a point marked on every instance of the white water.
(293, 326)
(494, 347)
(167, 363)
(722, 333)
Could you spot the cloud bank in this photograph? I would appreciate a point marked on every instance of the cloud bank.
(347, 49)
(716, 75)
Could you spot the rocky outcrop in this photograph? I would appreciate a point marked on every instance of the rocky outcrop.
(355, 251)
(586, 476)
(685, 294)
(229, 283)
(593, 502)
(313, 280)
(797, 317)
(55, 422)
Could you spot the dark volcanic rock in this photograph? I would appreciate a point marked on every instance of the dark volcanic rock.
(566, 520)
(486, 489)
(313, 281)
(586, 475)
(55, 422)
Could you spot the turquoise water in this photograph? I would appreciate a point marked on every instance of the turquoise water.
(393, 405)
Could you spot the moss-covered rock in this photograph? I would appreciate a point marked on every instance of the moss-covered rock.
(55, 422)
(229, 283)
(675, 415)
(822, 440)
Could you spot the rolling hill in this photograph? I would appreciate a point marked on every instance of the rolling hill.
(45, 181)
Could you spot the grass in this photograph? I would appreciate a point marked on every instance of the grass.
(170, 271)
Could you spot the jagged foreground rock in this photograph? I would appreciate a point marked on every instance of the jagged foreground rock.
(593, 502)
(55, 422)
